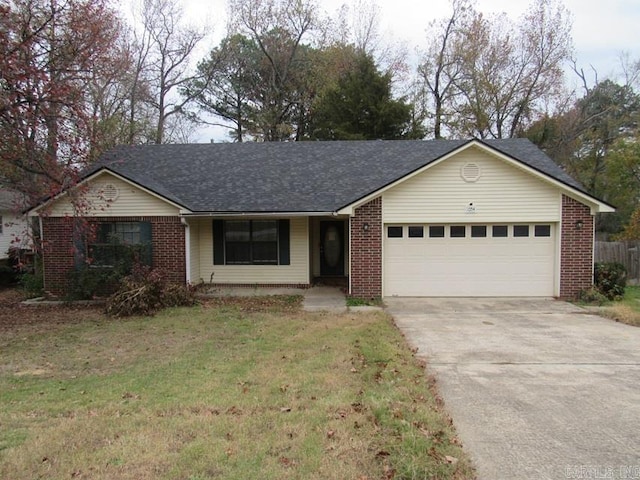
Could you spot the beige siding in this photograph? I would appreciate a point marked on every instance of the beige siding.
(297, 272)
(194, 251)
(130, 200)
(14, 232)
(503, 193)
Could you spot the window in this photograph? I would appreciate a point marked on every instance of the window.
(251, 242)
(458, 231)
(436, 231)
(542, 230)
(394, 232)
(118, 243)
(478, 231)
(416, 232)
(499, 231)
(521, 230)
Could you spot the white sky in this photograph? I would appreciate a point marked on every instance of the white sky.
(602, 29)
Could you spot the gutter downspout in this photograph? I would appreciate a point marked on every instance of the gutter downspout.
(41, 247)
(187, 249)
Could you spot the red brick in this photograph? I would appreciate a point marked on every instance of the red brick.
(168, 237)
(576, 248)
(366, 251)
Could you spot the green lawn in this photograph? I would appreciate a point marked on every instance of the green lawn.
(235, 390)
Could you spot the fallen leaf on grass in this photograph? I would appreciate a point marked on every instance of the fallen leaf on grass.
(451, 460)
(287, 462)
(285, 409)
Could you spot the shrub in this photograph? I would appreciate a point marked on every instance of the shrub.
(88, 282)
(7, 274)
(610, 279)
(592, 296)
(32, 284)
(145, 291)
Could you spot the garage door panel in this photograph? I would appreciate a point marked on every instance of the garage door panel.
(484, 266)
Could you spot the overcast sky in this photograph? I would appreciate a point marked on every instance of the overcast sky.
(602, 29)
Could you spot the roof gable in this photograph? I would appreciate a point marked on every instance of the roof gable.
(109, 194)
(537, 164)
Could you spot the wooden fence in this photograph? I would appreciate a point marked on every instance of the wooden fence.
(626, 253)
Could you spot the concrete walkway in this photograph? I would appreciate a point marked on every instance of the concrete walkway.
(324, 299)
(316, 299)
(537, 389)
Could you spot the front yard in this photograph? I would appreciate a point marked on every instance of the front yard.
(231, 390)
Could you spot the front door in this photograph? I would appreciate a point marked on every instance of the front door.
(331, 248)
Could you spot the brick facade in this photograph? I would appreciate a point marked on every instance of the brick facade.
(576, 248)
(168, 243)
(366, 250)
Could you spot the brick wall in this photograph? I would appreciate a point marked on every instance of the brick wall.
(366, 251)
(576, 249)
(168, 241)
(58, 253)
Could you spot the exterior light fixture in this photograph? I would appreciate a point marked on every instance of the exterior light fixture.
(579, 225)
(365, 227)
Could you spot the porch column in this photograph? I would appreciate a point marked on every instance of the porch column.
(366, 250)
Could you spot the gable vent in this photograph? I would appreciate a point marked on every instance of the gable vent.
(109, 192)
(470, 172)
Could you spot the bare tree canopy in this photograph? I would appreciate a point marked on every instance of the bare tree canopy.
(489, 77)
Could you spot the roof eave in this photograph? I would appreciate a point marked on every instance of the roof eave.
(260, 214)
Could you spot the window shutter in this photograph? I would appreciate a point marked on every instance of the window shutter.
(284, 242)
(146, 239)
(218, 242)
(79, 249)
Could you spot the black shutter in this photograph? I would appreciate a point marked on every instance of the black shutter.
(146, 241)
(283, 242)
(218, 242)
(79, 240)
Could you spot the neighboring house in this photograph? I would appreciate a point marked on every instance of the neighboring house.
(406, 218)
(13, 225)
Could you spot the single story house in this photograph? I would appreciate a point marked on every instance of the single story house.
(395, 218)
(14, 227)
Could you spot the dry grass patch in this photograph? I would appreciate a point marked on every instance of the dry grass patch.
(626, 310)
(229, 389)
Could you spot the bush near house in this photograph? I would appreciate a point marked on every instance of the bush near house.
(145, 291)
(610, 279)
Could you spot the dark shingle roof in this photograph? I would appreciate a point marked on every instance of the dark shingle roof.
(291, 177)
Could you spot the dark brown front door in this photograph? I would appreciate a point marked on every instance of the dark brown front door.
(331, 248)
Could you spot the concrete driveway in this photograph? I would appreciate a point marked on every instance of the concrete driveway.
(538, 389)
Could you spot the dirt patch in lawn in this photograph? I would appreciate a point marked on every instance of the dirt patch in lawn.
(14, 314)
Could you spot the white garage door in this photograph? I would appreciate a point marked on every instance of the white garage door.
(469, 260)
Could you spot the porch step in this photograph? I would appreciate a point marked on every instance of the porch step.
(324, 299)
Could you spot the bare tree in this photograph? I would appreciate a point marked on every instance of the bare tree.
(491, 77)
(441, 67)
(165, 48)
